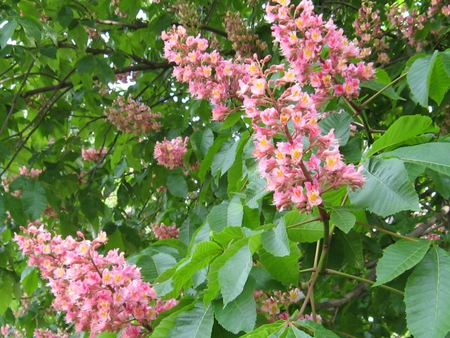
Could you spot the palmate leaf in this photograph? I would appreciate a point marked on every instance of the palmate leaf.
(387, 189)
(430, 155)
(194, 323)
(399, 257)
(427, 296)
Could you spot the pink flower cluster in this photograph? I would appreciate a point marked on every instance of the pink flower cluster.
(33, 173)
(275, 305)
(245, 43)
(300, 170)
(210, 76)
(162, 231)
(92, 154)
(132, 117)
(170, 154)
(405, 23)
(318, 52)
(98, 293)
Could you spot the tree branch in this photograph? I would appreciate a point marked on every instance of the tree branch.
(422, 227)
(148, 66)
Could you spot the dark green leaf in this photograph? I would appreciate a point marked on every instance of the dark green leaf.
(419, 78)
(399, 257)
(276, 240)
(65, 16)
(177, 185)
(6, 32)
(33, 199)
(285, 269)
(343, 219)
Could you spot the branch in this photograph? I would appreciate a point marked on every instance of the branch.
(16, 96)
(422, 227)
(342, 3)
(147, 66)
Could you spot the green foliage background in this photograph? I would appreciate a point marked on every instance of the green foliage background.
(385, 274)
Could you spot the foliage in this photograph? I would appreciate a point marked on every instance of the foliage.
(270, 171)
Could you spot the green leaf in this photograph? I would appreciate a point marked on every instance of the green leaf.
(203, 254)
(293, 332)
(177, 186)
(213, 274)
(419, 78)
(387, 189)
(406, 127)
(65, 16)
(379, 83)
(201, 141)
(234, 273)
(430, 155)
(440, 80)
(6, 32)
(205, 165)
(228, 235)
(194, 323)
(344, 220)
(318, 329)
(33, 199)
(276, 240)
(226, 214)
(267, 330)
(30, 279)
(6, 294)
(341, 125)
(154, 265)
(399, 257)
(351, 245)
(285, 269)
(301, 228)
(224, 158)
(2, 209)
(441, 183)
(239, 314)
(427, 295)
(167, 323)
(31, 29)
(14, 205)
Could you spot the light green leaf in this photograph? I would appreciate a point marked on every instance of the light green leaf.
(318, 329)
(213, 275)
(285, 269)
(228, 235)
(344, 220)
(226, 214)
(406, 127)
(204, 253)
(234, 273)
(167, 323)
(33, 199)
(201, 141)
(267, 330)
(432, 155)
(6, 293)
(293, 332)
(224, 158)
(399, 257)
(177, 186)
(239, 314)
(194, 323)
(29, 279)
(6, 32)
(387, 189)
(206, 163)
(440, 80)
(276, 240)
(419, 76)
(427, 295)
(154, 265)
(301, 228)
